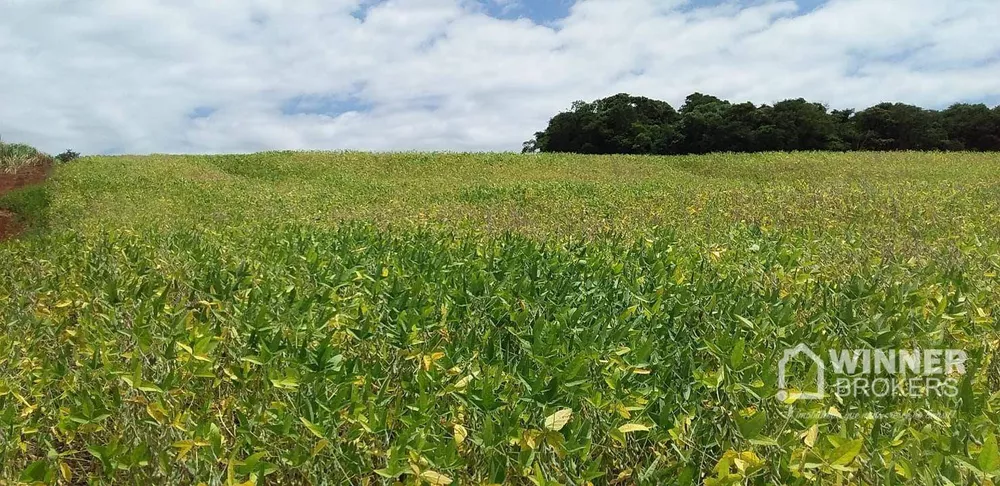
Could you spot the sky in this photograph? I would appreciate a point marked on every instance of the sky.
(196, 76)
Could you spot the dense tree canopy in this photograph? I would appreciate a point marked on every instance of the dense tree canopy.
(624, 124)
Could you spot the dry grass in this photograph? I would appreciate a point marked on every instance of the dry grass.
(14, 156)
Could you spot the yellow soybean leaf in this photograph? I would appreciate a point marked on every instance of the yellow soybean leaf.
(747, 461)
(464, 382)
(633, 428)
(435, 478)
(809, 436)
(183, 448)
(158, 413)
(322, 444)
(558, 420)
(429, 359)
(530, 439)
(460, 433)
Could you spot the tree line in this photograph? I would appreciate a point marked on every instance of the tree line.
(624, 124)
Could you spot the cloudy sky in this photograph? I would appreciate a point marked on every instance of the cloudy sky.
(198, 76)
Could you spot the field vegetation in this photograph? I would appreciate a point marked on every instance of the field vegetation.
(322, 318)
(14, 156)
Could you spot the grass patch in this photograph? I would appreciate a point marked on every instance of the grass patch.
(30, 204)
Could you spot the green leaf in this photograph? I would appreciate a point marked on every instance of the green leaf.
(846, 453)
(989, 458)
(315, 429)
(736, 357)
(36, 472)
(764, 441)
(286, 383)
(150, 387)
(751, 427)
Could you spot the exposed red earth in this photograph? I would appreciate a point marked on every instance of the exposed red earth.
(25, 176)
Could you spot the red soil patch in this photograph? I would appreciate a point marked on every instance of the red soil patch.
(9, 226)
(25, 176)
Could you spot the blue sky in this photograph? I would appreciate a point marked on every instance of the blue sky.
(539, 11)
(319, 104)
(549, 11)
(804, 5)
(115, 76)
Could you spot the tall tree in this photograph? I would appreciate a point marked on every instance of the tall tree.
(617, 124)
(897, 126)
(972, 127)
(702, 124)
(801, 125)
(624, 124)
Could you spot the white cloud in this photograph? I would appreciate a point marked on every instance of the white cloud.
(124, 76)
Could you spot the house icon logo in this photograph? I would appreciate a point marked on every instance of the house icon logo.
(784, 392)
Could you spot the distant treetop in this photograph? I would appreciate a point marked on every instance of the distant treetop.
(625, 124)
